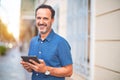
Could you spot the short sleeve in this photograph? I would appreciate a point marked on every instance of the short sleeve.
(64, 53)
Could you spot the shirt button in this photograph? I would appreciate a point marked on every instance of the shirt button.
(37, 74)
(39, 52)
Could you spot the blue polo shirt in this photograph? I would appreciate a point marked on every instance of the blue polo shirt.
(54, 50)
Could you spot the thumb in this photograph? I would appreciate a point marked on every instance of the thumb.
(41, 61)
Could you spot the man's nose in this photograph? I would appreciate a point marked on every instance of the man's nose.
(41, 21)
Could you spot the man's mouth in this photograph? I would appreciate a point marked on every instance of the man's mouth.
(42, 25)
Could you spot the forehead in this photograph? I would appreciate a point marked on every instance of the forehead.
(43, 12)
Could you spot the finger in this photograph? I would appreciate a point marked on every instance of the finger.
(26, 64)
(42, 61)
(32, 66)
(34, 62)
(22, 62)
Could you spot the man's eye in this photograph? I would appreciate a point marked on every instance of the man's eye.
(38, 18)
(45, 18)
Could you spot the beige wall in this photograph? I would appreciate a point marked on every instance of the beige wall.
(107, 42)
(62, 19)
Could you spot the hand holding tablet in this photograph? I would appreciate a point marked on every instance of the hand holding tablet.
(27, 58)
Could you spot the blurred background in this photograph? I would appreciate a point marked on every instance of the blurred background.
(92, 27)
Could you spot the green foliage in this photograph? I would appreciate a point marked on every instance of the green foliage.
(3, 50)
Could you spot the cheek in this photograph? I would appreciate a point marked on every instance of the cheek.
(36, 22)
(49, 23)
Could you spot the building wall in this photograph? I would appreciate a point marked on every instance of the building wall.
(107, 40)
(27, 9)
(73, 25)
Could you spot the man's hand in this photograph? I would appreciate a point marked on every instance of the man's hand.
(26, 66)
(38, 67)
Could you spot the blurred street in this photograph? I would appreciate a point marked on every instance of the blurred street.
(10, 67)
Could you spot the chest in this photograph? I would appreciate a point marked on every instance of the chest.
(46, 51)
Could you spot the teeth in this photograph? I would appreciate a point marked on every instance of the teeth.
(41, 26)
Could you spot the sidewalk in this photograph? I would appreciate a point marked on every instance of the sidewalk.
(10, 67)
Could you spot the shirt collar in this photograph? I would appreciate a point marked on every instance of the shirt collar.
(49, 37)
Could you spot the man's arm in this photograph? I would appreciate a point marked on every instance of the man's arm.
(65, 71)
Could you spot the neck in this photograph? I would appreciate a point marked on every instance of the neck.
(43, 36)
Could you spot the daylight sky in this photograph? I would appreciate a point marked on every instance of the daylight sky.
(10, 15)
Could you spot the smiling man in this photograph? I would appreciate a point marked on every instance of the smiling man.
(53, 50)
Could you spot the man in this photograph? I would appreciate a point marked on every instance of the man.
(52, 50)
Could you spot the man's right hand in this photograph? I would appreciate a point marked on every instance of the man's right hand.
(26, 66)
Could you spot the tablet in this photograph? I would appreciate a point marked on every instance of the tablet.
(27, 58)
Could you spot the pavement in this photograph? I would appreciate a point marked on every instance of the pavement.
(10, 67)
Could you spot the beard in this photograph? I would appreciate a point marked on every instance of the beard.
(43, 28)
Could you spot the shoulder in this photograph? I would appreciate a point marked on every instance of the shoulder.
(61, 40)
(35, 38)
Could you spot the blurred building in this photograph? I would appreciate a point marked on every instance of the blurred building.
(92, 29)
(107, 40)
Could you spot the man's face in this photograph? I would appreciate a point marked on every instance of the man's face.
(44, 20)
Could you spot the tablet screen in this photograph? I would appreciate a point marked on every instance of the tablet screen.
(27, 58)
